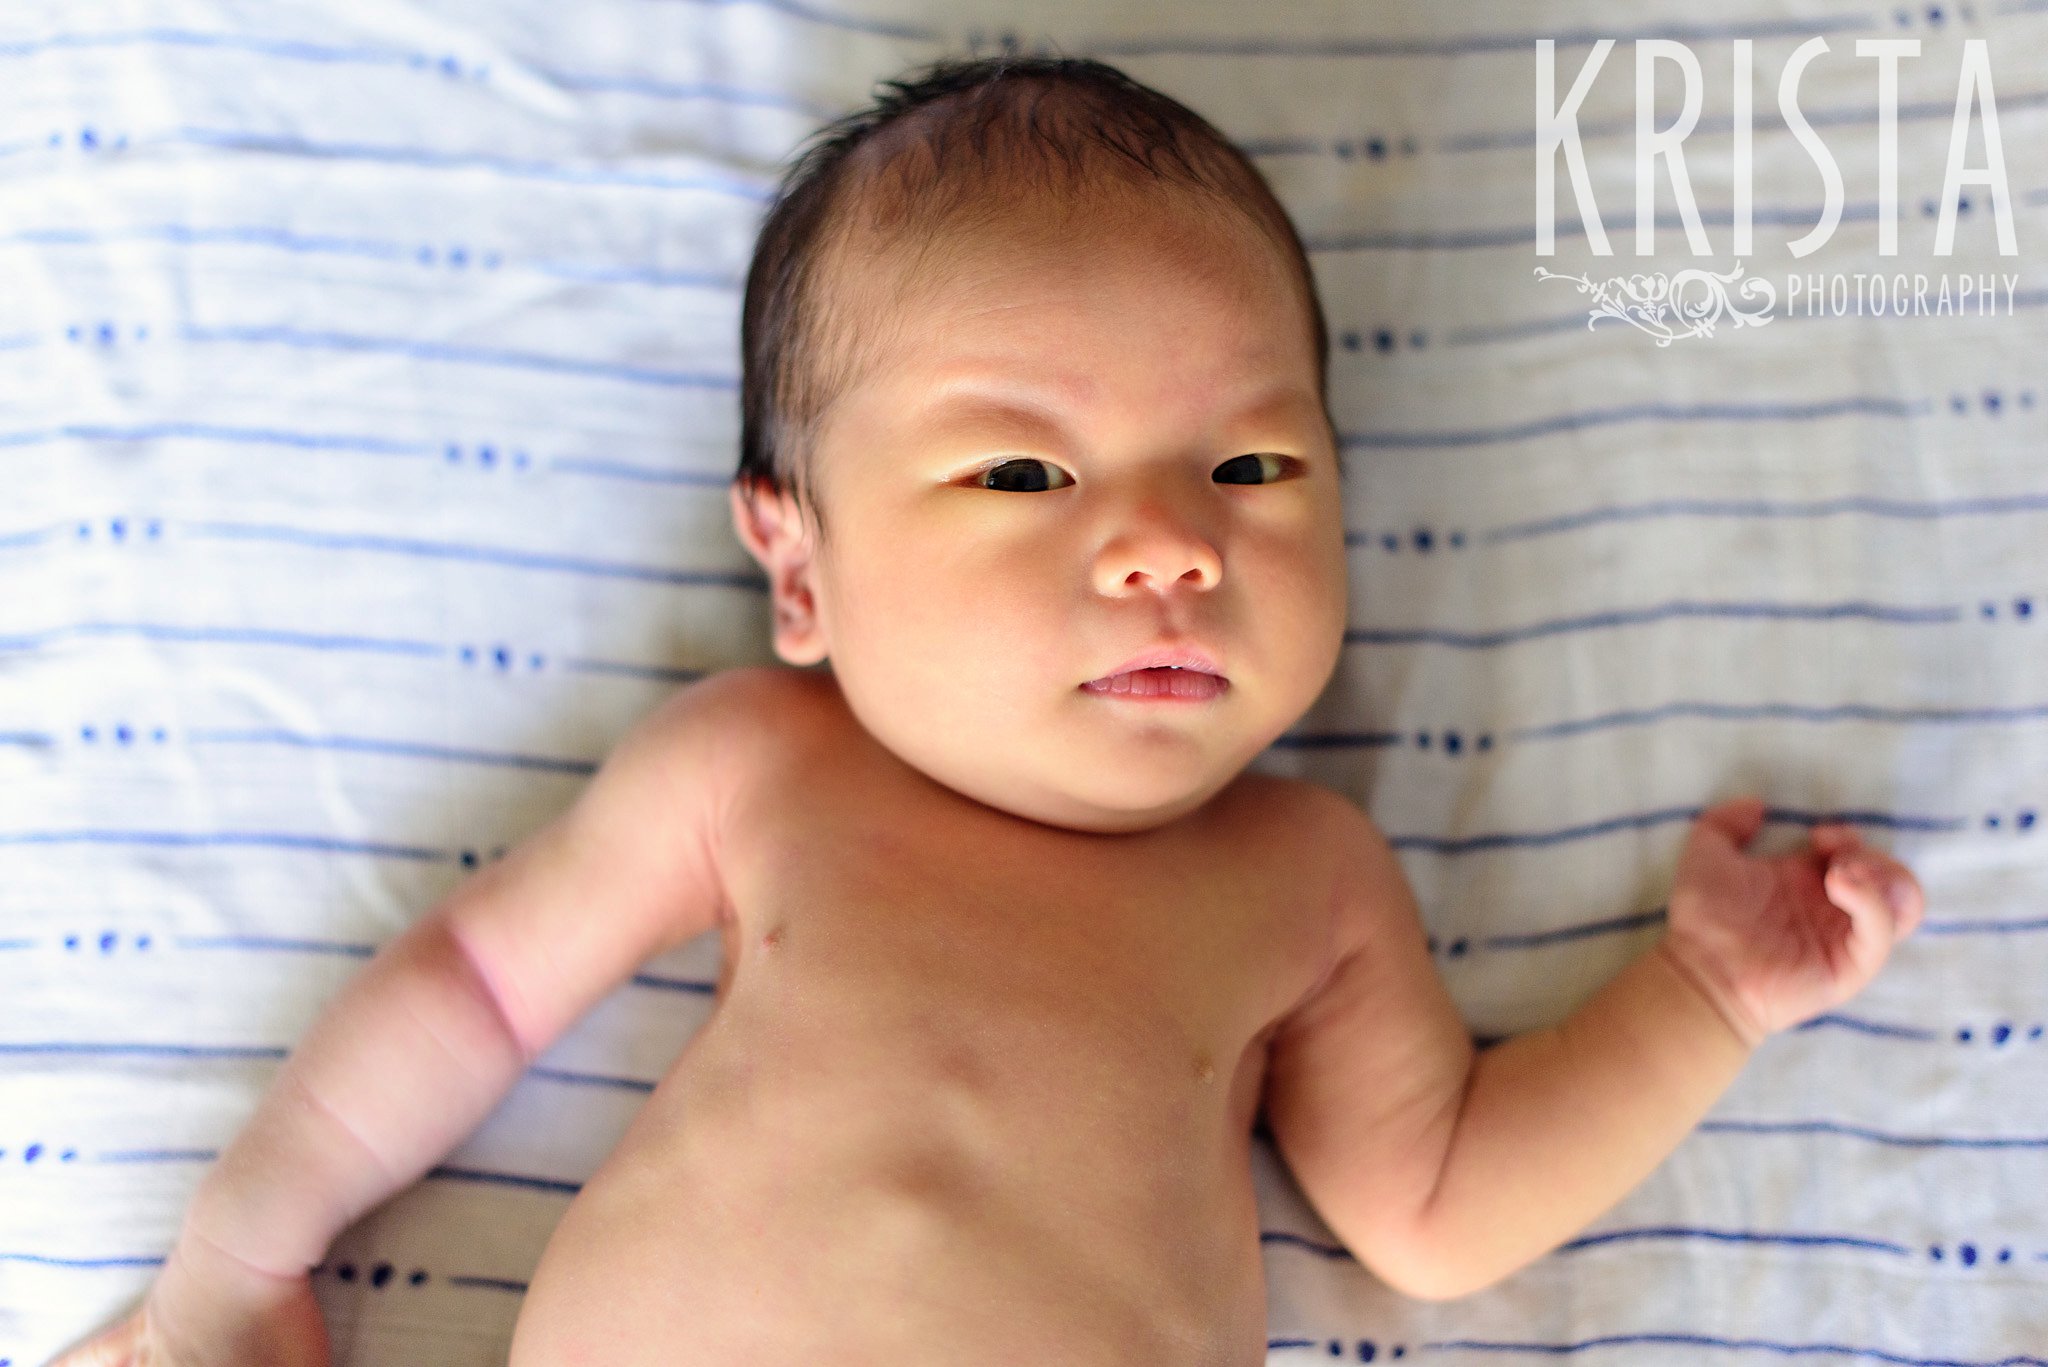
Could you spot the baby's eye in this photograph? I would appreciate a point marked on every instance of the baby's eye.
(1018, 477)
(1251, 469)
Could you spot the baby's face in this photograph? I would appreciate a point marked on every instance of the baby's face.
(1072, 452)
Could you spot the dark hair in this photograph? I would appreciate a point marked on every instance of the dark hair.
(882, 172)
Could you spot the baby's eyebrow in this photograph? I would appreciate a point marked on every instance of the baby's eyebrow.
(1031, 406)
(994, 396)
(966, 405)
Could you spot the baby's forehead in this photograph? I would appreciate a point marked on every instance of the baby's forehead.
(1002, 238)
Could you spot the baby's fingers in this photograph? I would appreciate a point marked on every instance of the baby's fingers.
(1873, 927)
(1834, 837)
(1874, 883)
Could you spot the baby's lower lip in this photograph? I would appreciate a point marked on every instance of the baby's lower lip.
(1160, 685)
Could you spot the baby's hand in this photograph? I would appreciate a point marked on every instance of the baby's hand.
(206, 1310)
(1774, 942)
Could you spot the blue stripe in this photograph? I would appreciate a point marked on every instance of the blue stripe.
(442, 351)
(1609, 926)
(158, 1156)
(165, 36)
(1515, 332)
(259, 839)
(375, 249)
(1959, 926)
(294, 49)
(654, 88)
(634, 275)
(1766, 121)
(612, 469)
(1830, 1127)
(1336, 740)
(694, 986)
(276, 943)
(581, 1079)
(1639, 412)
(834, 19)
(87, 1047)
(1577, 321)
(267, 436)
(240, 635)
(242, 140)
(1732, 1236)
(1874, 1028)
(1597, 621)
(305, 641)
(571, 1077)
(1782, 712)
(49, 1261)
(1335, 1252)
(1619, 925)
(487, 1283)
(1453, 845)
(1918, 509)
(407, 749)
(630, 670)
(492, 555)
(1466, 44)
(1709, 1341)
(571, 465)
(505, 1179)
(1338, 1252)
(1573, 228)
(1710, 711)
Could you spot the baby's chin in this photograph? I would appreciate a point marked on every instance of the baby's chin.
(1099, 796)
(1089, 768)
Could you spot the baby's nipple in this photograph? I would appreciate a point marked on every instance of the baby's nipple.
(772, 938)
(1204, 1069)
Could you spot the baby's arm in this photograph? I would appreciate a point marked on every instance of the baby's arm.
(416, 1049)
(1445, 1169)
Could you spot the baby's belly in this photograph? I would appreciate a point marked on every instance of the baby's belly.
(780, 1202)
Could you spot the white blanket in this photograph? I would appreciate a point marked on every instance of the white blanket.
(370, 387)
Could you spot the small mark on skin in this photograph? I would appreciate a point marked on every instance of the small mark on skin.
(772, 938)
(1205, 1070)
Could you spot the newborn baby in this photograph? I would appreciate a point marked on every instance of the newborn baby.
(1037, 456)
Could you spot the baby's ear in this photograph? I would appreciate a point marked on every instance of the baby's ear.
(771, 526)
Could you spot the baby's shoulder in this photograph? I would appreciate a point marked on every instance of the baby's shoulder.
(1323, 835)
(746, 721)
(1321, 816)
(776, 706)
(1303, 836)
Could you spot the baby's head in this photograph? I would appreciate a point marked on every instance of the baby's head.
(1034, 382)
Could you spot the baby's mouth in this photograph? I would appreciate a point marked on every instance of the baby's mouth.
(1163, 681)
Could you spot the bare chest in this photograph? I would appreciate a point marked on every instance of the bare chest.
(960, 1062)
(965, 946)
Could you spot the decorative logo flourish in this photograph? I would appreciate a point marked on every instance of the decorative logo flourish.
(1646, 301)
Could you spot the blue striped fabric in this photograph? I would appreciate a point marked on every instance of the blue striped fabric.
(370, 392)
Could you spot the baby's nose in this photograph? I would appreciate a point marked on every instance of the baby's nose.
(1158, 551)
